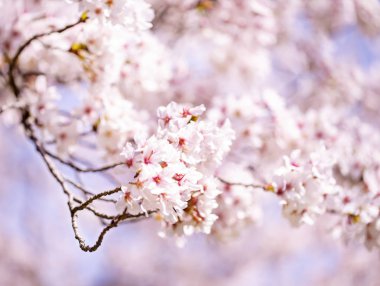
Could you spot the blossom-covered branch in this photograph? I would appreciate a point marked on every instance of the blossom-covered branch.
(193, 113)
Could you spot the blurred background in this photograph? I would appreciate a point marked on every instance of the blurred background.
(37, 245)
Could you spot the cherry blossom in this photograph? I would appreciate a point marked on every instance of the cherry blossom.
(133, 14)
(165, 175)
(119, 89)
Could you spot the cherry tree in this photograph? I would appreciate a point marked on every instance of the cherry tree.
(184, 111)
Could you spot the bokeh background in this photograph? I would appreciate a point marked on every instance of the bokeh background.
(37, 245)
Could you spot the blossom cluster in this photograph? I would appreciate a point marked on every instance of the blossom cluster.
(135, 15)
(273, 75)
(172, 172)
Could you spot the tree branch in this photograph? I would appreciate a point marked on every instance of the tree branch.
(93, 198)
(47, 157)
(13, 63)
(114, 223)
(241, 184)
(79, 169)
(87, 192)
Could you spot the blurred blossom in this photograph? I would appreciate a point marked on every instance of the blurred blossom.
(209, 141)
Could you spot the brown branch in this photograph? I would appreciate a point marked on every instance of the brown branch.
(47, 157)
(93, 198)
(13, 63)
(114, 223)
(160, 16)
(79, 169)
(54, 141)
(115, 220)
(87, 192)
(241, 184)
(32, 73)
(99, 214)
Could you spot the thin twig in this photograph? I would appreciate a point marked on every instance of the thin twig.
(87, 192)
(79, 169)
(13, 63)
(241, 184)
(48, 157)
(114, 223)
(93, 198)
(54, 141)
